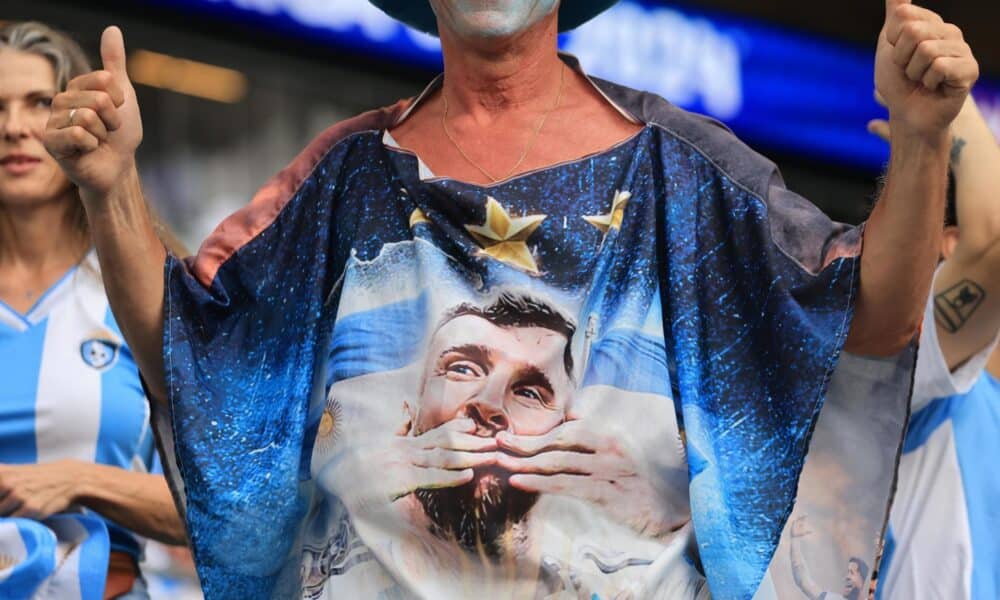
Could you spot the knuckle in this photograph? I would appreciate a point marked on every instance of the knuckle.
(926, 50)
(93, 122)
(103, 103)
(78, 136)
(60, 100)
(85, 116)
(914, 30)
(103, 78)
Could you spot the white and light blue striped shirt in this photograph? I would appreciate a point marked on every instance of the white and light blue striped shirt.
(69, 388)
(944, 528)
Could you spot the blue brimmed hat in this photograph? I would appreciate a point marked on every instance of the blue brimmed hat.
(418, 13)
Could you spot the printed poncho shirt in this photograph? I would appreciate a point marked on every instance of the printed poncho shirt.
(598, 379)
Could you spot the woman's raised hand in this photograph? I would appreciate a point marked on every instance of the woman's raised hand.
(95, 127)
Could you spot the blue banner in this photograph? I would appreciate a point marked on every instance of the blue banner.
(779, 90)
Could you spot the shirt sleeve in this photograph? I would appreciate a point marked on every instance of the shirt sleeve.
(933, 378)
(245, 334)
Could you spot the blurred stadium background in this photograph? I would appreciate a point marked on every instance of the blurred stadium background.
(231, 90)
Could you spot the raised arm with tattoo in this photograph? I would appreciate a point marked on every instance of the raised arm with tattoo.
(967, 287)
(924, 71)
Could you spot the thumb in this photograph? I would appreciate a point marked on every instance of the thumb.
(891, 5)
(113, 52)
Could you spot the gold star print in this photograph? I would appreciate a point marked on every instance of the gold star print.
(505, 238)
(418, 216)
(614, 218)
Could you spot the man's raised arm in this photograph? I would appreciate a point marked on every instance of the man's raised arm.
(93, 132)
(924, 70)
(967, 286)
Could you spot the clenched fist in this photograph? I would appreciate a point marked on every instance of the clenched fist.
(94, 127)
(923, 69)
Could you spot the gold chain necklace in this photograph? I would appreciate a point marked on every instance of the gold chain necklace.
(531, 143)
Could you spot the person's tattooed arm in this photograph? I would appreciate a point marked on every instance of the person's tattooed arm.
(957, 305)
(967, 287)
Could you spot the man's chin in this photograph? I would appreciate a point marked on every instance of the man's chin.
(499, 19)
(480, 514)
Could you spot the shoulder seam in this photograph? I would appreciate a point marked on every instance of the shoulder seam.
(746, 189)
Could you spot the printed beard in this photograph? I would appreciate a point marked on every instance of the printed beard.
(478, 514)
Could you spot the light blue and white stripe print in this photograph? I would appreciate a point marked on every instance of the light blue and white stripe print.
(64, 557)
(942, 540)
(69, 389)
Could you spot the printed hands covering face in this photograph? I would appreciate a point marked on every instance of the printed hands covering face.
(923, 69)
(575, 459)
(372, 476)
(579, 460)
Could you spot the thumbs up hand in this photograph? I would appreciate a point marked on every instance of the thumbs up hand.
(94, 127)
(923, 69)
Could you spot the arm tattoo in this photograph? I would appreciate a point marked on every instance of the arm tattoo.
(955, 306)
(957, 145)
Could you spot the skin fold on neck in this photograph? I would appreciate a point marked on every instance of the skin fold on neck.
(499, 89)
(486, 78)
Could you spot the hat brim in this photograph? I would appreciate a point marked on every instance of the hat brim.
(418, 13)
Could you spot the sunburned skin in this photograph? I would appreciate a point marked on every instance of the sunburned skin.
(483, 19)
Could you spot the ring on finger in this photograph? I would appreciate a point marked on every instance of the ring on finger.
(72, 113)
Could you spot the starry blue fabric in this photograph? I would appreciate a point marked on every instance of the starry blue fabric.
(756, 288)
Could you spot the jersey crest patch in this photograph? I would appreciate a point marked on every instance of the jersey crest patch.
(100, 350)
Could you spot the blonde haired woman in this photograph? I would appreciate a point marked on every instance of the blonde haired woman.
(75, 444)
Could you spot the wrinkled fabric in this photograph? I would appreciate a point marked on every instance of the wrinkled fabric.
(64, 557)
(702, 309)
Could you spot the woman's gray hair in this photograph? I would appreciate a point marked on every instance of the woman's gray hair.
(67, 58)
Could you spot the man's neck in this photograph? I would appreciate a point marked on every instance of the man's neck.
(484, 80)
(39, 236)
